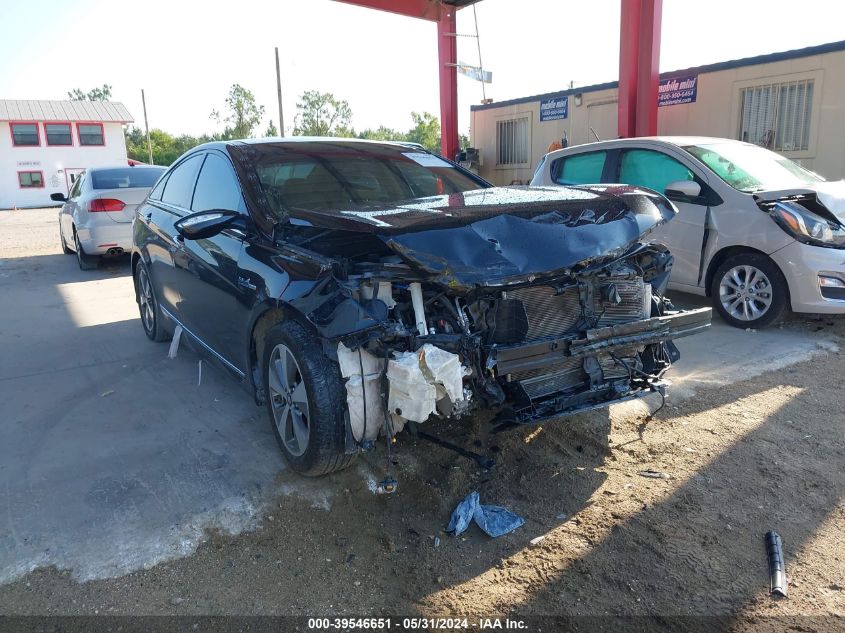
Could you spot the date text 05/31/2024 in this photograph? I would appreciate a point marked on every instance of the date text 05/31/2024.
(415, 624)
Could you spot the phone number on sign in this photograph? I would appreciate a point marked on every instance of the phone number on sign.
(387, 623)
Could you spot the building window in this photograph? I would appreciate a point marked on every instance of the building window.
(777, 116)
(58, 134)
(25, 134)
(512, 142)
(90, 133)
(30, 179)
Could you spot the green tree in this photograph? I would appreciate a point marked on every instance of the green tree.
(426, 131)
(243, 114)
(95, 94)
(271, 130)
(382, 133)
(166, 147)
(321, 114)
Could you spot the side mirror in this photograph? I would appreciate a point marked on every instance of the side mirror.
(58, 197)
(203, 224)
(683, 188)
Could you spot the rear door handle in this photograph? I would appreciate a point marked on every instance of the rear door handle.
(246, 283)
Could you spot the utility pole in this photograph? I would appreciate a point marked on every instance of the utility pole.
(279, 90)
(480, 65)
(147, 126)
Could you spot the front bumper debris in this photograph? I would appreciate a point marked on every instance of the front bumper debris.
(506, 359)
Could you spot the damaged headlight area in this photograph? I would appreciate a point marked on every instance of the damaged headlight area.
(525, 350)
(797, 219)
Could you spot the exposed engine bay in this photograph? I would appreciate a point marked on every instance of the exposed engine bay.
(528, 352)
(524, 303)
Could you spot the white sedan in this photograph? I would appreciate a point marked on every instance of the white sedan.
(755, 231)
(96, 217)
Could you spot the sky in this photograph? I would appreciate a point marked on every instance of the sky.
(186, 54)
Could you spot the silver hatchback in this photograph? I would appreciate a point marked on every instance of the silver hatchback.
(755, 231)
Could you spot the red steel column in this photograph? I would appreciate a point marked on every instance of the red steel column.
(639, 67)
(447, 52)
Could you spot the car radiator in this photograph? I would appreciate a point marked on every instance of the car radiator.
(615, 300)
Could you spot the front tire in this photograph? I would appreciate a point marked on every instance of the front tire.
(86, 262)
(306, 400)
(148, 305)
(749, 291)
(67, 250)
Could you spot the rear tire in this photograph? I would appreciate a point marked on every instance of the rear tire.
(86, 262)
(749, 291)
(306, 400)
(151, 319)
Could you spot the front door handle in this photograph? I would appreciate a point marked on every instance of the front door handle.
(246, 283)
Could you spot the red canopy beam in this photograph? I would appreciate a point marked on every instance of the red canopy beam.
(639, 67)
(447, 51)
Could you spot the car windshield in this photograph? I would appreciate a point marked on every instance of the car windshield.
(751, 168)
(125, 177)
(337, 175)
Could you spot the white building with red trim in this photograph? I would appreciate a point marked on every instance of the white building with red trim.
(44, 145)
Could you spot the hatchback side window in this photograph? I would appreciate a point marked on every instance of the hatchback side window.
(654, 170)
(217, 187)
(180, 184)
(581, 169)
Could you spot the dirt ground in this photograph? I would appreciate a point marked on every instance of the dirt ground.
(599, 539)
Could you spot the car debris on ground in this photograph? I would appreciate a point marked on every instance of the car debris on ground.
(493, 520)
(777, 567)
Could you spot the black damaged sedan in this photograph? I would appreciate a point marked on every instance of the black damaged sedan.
(356, 288)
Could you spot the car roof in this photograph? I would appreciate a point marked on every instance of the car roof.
(110, 167)
(677, 141)
(290, 140)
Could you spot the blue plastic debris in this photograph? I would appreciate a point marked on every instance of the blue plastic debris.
(494, 520)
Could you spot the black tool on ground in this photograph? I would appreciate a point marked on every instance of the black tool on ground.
(777, 567)
(482, 460)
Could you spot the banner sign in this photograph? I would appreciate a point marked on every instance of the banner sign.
(474, 72)
(555, 108)
(677, 90)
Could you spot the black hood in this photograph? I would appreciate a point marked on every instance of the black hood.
(505, 235)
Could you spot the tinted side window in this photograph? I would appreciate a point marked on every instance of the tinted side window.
(155, 194)
(77, 185)
(581, 169)
(217, 186)
(180, 185)
(655, 170)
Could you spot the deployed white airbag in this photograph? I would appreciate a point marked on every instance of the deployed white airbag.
(418, 380)
(362, 390)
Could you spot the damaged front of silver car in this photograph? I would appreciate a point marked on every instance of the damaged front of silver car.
(525, 303)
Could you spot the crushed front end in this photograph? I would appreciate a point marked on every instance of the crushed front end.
(527, 352)
(483, 316)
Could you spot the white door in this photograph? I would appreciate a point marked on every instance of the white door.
(684, 234)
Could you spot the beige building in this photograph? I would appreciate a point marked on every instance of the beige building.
(791, 102)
